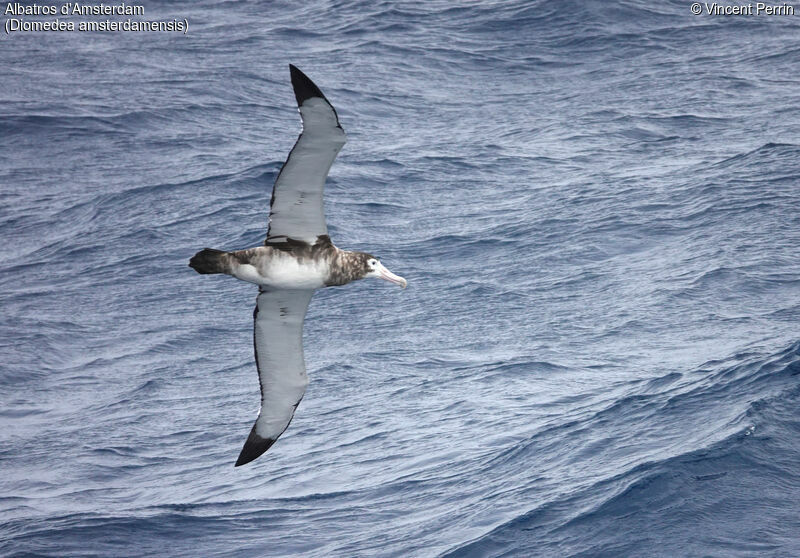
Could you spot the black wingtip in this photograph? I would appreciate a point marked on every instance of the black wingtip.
(304, 88)
(253, 448)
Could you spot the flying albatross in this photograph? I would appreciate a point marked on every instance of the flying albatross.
(297, 257)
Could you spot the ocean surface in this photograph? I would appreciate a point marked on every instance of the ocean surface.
(597, 207)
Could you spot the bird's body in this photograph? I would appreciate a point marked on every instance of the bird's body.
(297, 258)
(300, 266)
(268, 267)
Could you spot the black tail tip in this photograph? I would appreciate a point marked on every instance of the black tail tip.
(254, 447)
(208, 261)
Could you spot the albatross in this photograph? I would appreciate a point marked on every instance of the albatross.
(296, 258)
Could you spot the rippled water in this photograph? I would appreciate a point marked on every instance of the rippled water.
(595, 204)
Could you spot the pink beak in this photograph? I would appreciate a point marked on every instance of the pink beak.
(391, 277)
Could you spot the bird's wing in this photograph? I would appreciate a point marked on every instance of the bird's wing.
(278, 340)
(296, 209)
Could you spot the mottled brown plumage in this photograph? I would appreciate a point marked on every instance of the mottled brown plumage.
(348, 267)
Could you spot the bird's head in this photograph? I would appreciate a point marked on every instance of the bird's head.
(372, 267)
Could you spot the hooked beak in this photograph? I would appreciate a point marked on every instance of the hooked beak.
(387, 275)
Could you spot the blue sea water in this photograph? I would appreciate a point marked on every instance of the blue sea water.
(595, 204)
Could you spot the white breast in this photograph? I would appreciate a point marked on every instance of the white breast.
(283, 271)
(289, 273)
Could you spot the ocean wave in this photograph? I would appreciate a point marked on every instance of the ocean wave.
(590, 200)
(669, 502)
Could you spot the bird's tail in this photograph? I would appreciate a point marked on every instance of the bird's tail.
(209, 260)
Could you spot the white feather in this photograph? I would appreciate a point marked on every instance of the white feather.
(279, 357)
